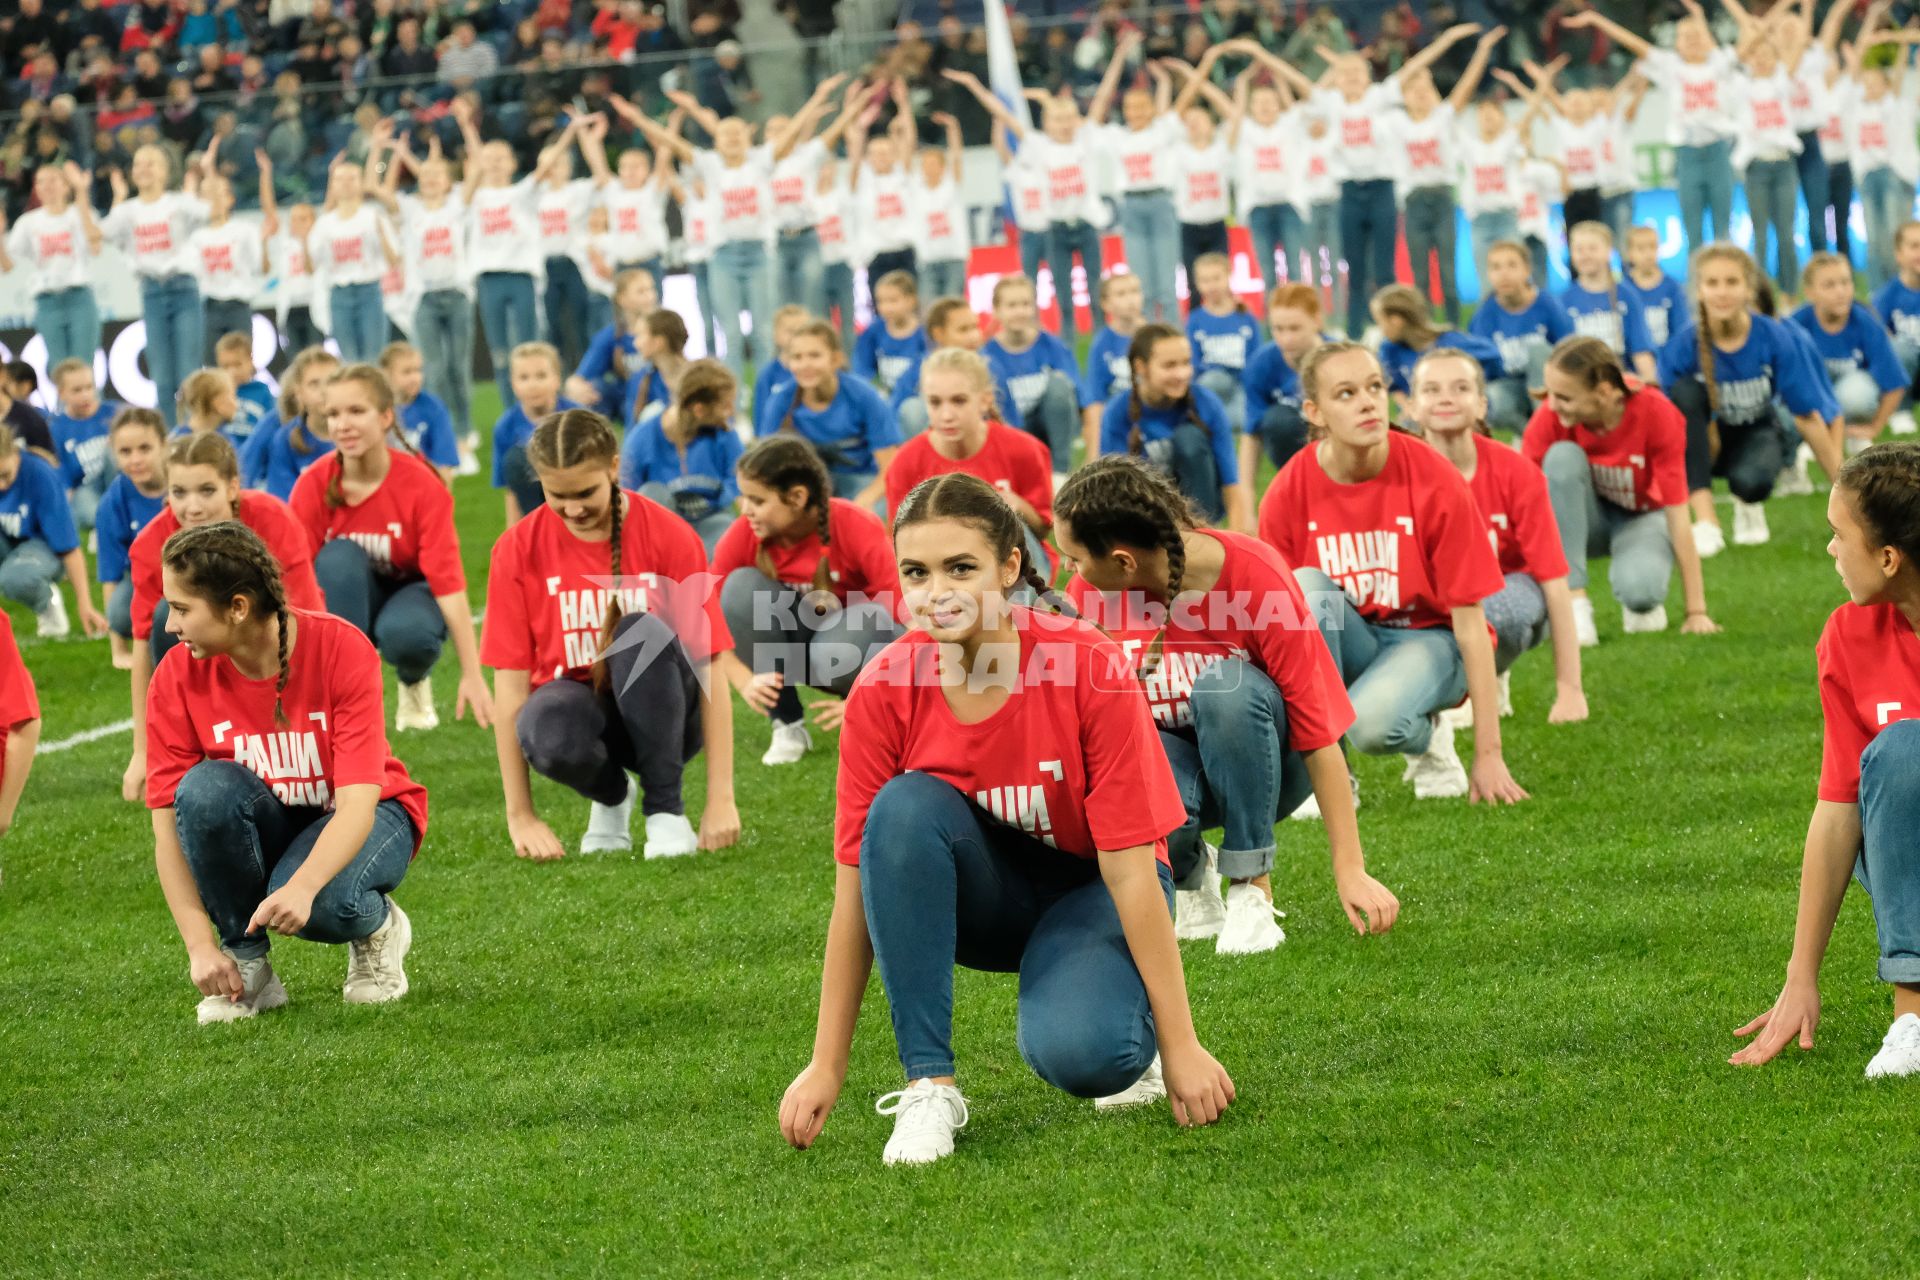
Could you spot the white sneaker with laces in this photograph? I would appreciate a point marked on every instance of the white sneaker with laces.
(1506, 693)
(50, 619)
(925, 1118)
(374, 963)
(1708, 540)
(260, 991)
(415, 710)
(610, 827)
(1643, 621)
(669, 835)
(1437, 771)
(1200, 913)
(1749, 524)
(1251, 923)
(790, 742)
(1793, 481)
(1583, 628)
(1900, 1052)
(1150, 1087)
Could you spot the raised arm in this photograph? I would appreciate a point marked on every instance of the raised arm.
(1545, 83)
(470, 143)
(1123, 51)
(691, 105)
(1199, 82)
(1283, 70)
(782, 144)
(956, 147)
(1431, 54)
(550, 155)
(1162, 88)
(902, 128)
(994, 107)
(80, 182)
(850, 109)
(1463, 92)
(593, 148)
(1626, 39)
(1830, 28)
(666, 140)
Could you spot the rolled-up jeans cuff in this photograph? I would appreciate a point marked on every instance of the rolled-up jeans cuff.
(1245, 864)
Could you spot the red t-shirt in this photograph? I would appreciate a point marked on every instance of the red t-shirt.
(1640, 465)
(1011, 461)
(1512, 494)
(405, 525)
(859, 560)
(334, 734)
(1255, 611)
(1408, 546)
(1072, 758)
(1869, 663)
(263, 513)
(548, 591)
(19, 702)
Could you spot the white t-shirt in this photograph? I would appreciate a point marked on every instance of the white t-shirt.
(1490, 173)
(1200, 182)
(637, 221)
(697, 220)
(1807, 105)
(1316, 181)
(1540, 187)
(1699, 107)
(1028, 188)
(53, 249)
(883, 206)
(1881, 135)
(742, 196)
(1616, 154)
(561, 214)
(793, 183)
(346, 250)
(1834, 144)
(584, 249)
(154, 232)
(1140, 156)
(1423, 150)
(941, 215)
(228, 261)
(1582, 148)
(1764, 111)
(1359, 151)
(433, 243)
(503, 228)
(1073, 194)
(833, 213)
(1265, 157)
(293, 274)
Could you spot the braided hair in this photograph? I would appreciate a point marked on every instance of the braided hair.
(704, 383)
(669, 328)
(224, 560)
(576, 438)
(1883, 484)
(1139, 356)
(1719, 251)
(380, 391)
(786, 461)
(959, 495)
(1120, 501)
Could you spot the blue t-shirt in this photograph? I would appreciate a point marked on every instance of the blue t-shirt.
(881, 358)
(597, 365)
(253, 450)
(257, 407)
(1024, 373)
(1862, 343)
(1221, 342)
(35, 506)
(1270, 380)
(124, 512)
(86, 457)
(511, 432)
(908, 388)
(1618, 321)
(701, 485)
(847, 431)
(1663, 307)
(1899, 309)
(1520, 335)
(428, 427)
(1108, 372)
(773, 375)
(646, 385)
(1771, 362)
(1159, 424)
(1398, 359)
(284, 464)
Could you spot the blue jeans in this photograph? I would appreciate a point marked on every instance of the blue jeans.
(507, 314)
(1150, 230)
(1834, 218)
(709, 327)
(1431, 215)
(1324, 253)
(1225, 383)
(1064, 239)
(1642, 563)
(1887, 867)
(85, 498)
(1055, 419)
(29, 572)
(801, 275)
(359, 321)
(1772, 200)
(1812, 167)
(69, 320)
(444, 324)
(1617, 212)
(1396, 677)
(943, 279)
(176, 330)
(943, 886)
(1369, 226)
(1887, 202)
(1487, 230)
(773, 630)
(1283, 429)
(1235, 771)
(1187, 456)
(1518, 615)
(1859, 396)
(1509, 404)
(742, 280)
(1276, 231)
(222, 317)
(566, 302)
(838, 305)
(1705, 177)
(402, 619)
(243, 845)
(120, 608)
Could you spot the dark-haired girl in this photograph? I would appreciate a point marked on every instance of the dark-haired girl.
(277, 806)
(385, 551)
(1178, 427)
(1002, 805)
(599, 626)
(300, 439)
(845, 420)
(1409, 331)
(138, 493)
(1248, 703)
(662, 347)
(1394, 557)
(684, 458)
(203, 487)
(1869, 795)
(808, 587)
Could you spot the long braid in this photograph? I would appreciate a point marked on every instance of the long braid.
(285, 622)
(1707, 374)
(220, 561)
(575, 438)
(602, 681)
(1136, 443)
(1175, 545)
(1120, 500)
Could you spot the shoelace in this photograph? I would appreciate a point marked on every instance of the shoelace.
(1259, 901)
(913, 1109)
(364, 957)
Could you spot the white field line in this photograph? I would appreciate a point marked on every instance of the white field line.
(84, 737)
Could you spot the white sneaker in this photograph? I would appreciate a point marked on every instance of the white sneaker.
(51, 618)
(260, 991)
(469, 464)
(1309, 809)
(1642, 621)
(610, 826)
(669, 835)
(416, 707)
(1506, 693)
(1708, 540)
(1902, 424)
(1200, 913)
(1437, 771)
(1900, 1052)
(1251, 926)
(1793, 481)
(925, 1118)
(1749, 524)
(790, 742)
(1583, 628)
(374, 972)
(1150, 1087)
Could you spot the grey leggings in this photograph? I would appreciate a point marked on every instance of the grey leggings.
(1590, 525)
(1518, 615)
(773, 630)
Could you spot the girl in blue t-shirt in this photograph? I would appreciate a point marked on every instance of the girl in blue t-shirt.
(1663, 302)
(662, 339)
(1853, 346)
(533, 372)
(613, 350)
(1223, 333)
(1123, 308)
(895, 342)
(1408, 331)
(1898, 304)
(421, 419)
(845, 420)
(950, 323)
(278, 457)
(1271, 382)
(684, 457)
(80, 437)
(1524, 325)
(1600, 308)
(138, 493)
(774, 374)
(38, 540)
(1178, 427)
(1037, 366)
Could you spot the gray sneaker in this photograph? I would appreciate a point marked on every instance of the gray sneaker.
(374, 972)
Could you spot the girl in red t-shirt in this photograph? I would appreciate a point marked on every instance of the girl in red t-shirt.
(1869, 795)
(276, 803)
(600, 627)
(1449, 402)
(808, 585)
(1249, 705)
(203, 487)
(1394, 556)
(19, 724)
(387, 557)
(1002, 804)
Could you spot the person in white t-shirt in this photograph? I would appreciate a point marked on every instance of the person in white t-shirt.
(501, 229)
(635, 198)
(152, 229)
(1881, 124)
(1765, 151)
(229, 259)
(1027, 194)
(1317, 201)
(560, 204)
(1492, 154)
(434, 227)
(1618, 182)
(1139, 148)
(878, 181)
(944, 241)
(1264, 135)
(56, 244)
(799, 265)
(350, 248)
(1202, 166)
(833, 218)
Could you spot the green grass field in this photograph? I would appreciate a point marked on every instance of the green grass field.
(1526, 1078)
